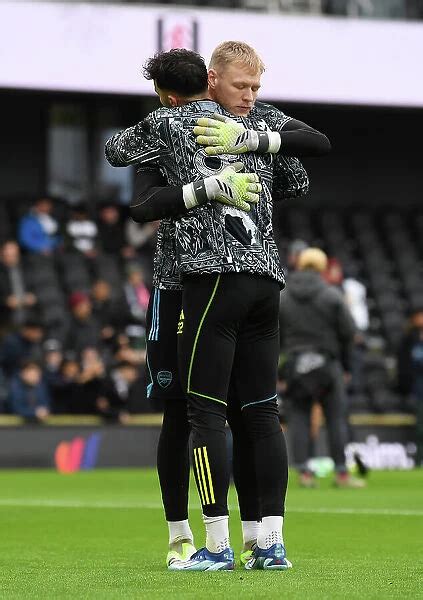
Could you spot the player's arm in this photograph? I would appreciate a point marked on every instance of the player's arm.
(299, 139)
(287, 136)
(154, 200)
(290, 179)
(138, 144)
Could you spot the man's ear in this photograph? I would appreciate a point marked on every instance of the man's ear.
(212, 76)
(174, 100)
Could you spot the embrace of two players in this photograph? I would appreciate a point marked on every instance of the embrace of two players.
(208, 164)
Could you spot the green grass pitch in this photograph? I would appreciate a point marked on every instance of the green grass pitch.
(102, 534)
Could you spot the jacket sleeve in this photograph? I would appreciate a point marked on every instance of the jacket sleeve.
(17, 401)
(137, 144)
(290, 179)
(297, 138)
(31, 235)
(152, 199)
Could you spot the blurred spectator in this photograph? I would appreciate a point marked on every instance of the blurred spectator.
(15, 298)
(333, 273)
(29, 396)
(53, 357)
(410, 372)
(111, 231)
(129, 348)
(91, 378)
(410, 354)
(82, 231)
(294, 250)
(143, 238)
(84, 329)
(140, 235)
(65, 387)
(38, 230)
(355, 293)
(125, 392)
(21, 345)
(111, 313)
(317, 332)
(355, 296)
(136, 293)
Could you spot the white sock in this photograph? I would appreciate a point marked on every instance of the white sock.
(179, 530)
(217, 533)
(250, 531)
(270, 532)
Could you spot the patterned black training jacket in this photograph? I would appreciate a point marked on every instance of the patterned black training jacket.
(213, 237)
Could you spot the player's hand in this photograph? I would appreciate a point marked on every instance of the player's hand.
(234, 188)
(229, 187)
(223, 135)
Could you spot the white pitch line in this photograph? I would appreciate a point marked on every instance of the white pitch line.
(46, 503)
(78, 504)
(358, 511)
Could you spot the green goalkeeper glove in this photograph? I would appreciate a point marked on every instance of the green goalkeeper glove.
(229, 187)
(222, 135)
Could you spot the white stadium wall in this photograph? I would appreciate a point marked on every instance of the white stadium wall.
(100, 48)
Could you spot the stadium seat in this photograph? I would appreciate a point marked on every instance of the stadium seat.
(75, 274)
(108, 267)
(5, 225)
(39, 271)
(76, 279)
(50, 295)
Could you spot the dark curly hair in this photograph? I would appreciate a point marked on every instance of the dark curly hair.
(179, 70)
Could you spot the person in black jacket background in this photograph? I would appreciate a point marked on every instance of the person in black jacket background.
(410, 372)
(16, 299)
(317, 333)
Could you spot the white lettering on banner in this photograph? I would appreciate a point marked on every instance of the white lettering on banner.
(381, 455)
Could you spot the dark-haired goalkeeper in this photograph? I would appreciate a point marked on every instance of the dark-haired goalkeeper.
(227, 187)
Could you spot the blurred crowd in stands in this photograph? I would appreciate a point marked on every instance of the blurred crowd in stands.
(74, 290)
(75, 283)
(378, 9)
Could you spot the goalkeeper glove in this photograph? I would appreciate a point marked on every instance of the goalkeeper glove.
(229, 187)
(222, 135)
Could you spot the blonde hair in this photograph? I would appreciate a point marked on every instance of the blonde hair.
(231, 52)
(312, 258)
